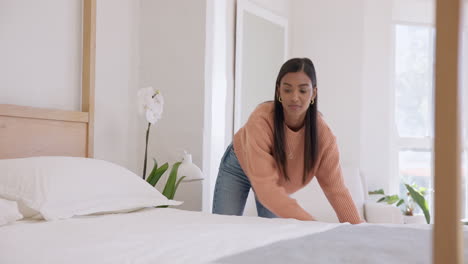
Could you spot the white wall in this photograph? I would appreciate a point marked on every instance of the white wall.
(40, 47)
(40, 51)
(377, 162)
(331, 33)
(230, 66)
(172, 56)
(219, 76)
(117, 135)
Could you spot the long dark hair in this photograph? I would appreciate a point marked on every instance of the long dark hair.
(310, 147)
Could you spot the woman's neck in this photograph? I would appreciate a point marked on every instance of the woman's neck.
(294, 123)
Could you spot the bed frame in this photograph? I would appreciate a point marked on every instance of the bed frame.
(447, 238)
(58, 132)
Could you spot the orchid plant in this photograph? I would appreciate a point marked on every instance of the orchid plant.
(151, 103)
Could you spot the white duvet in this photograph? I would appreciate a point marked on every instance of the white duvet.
(158, 235)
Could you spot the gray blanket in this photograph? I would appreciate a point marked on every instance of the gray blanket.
(347, 244)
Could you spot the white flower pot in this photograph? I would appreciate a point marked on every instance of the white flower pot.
(414, 219)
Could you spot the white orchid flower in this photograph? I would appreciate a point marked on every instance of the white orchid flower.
(150, 103)
(145, 96)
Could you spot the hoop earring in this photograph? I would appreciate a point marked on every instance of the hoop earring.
(312, 101)
(279, 99)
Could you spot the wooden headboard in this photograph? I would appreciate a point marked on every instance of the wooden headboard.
(29, 131)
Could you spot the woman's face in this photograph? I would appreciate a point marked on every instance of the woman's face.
(296, 92)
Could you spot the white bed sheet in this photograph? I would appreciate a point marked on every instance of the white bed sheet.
(157, 235)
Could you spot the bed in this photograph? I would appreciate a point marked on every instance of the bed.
(152, 234)
(167, 235)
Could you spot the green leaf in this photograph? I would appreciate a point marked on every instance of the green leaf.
(400, 202)
(421, 201)
(161, 170)
(379, 191)
(422, 191)
(154, 178)
(177, 186)
(381, 199)
(391, 199)
(171, 181)
(153, 171)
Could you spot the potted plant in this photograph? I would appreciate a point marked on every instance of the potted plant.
(151, 104)
(415, 196)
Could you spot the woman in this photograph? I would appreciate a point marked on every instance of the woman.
(283, 145)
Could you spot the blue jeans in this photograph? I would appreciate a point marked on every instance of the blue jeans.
(232, 188)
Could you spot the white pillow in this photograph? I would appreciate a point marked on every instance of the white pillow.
(61, 187)
(8, 212)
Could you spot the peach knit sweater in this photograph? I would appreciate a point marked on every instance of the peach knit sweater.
(253, 145)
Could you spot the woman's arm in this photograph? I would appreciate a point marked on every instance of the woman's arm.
(330, 178)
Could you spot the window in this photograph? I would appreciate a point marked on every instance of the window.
(414, 111)
(414, 60)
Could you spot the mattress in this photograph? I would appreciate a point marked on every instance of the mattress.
(153, 235)
(168, 235)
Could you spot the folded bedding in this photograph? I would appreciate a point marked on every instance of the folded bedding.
(367, 244)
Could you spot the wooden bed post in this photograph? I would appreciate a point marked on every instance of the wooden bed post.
(447, 236)
(88, 68)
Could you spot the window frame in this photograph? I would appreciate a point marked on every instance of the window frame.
(401, 143)
(424, 143)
